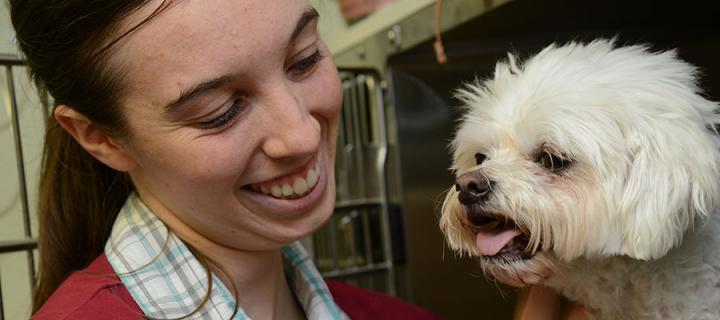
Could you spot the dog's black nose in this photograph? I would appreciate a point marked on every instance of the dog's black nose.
(473, 187)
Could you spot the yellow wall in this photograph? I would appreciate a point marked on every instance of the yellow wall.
(340, 37)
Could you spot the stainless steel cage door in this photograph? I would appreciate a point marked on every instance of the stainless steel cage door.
(356, 244)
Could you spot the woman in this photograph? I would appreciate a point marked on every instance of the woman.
(192, 143)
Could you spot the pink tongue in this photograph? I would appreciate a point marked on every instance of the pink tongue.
(490, 242)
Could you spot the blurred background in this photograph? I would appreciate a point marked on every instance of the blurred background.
(398, 117)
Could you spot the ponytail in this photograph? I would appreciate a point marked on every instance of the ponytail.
(79, 200)
(66, 45)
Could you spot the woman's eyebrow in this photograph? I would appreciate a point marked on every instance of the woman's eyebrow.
(196, 91)
(308, 16)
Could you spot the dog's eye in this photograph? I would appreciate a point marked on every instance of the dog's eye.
(553, 162)
(479, 158)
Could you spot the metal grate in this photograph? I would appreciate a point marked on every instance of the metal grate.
(356, 244)
(28, 244)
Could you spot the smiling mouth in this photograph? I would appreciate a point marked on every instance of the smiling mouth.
(500, 239)
(292, 186)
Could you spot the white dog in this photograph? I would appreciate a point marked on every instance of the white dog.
(594, 170)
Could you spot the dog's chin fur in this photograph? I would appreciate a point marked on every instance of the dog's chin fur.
(644, 171)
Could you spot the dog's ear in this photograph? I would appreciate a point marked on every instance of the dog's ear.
(672, 183)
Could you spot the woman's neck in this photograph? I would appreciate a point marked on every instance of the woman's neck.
(258, 277)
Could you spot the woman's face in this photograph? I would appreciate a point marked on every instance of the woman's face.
(232, 109)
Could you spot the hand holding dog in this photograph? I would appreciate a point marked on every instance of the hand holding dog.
(542, 303)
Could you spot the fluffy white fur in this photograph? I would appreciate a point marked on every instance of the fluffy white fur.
(630, 229)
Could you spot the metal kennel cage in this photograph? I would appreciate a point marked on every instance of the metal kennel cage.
(11, 64)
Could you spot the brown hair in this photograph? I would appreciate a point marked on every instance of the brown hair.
(64, 42)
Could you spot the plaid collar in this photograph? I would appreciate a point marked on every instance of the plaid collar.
(167, 281)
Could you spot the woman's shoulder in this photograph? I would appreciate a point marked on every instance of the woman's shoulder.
(359, 303)
(93, 293)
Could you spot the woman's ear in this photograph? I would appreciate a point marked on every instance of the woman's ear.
(91, 138)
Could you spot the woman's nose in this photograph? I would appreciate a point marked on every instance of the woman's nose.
(291, 130)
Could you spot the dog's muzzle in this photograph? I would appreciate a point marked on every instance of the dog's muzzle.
(473, 188)
(495, 235)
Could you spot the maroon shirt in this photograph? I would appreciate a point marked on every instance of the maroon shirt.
(97, 293)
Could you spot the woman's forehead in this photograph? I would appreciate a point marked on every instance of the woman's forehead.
(196, 39)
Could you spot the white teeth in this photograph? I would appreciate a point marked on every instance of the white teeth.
(300, 186)
(276, 192)
(287, 190)
(312, 178)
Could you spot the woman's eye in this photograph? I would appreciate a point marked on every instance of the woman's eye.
(553, 162)
(306, 64)
(225, 118)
